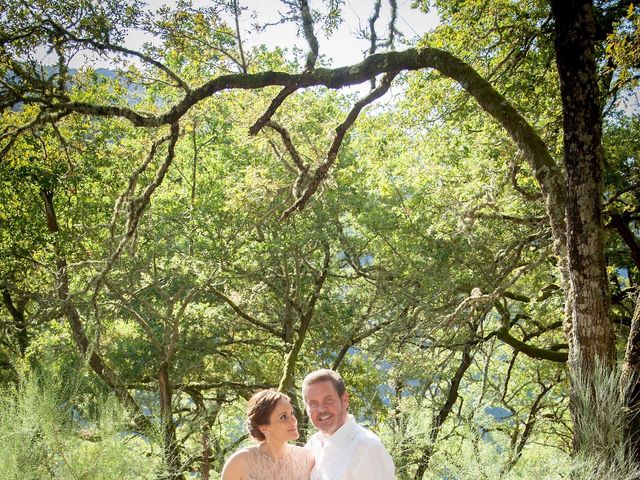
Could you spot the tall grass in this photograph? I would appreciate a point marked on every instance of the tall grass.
(44, 434)
(600, 416)
(464, 451)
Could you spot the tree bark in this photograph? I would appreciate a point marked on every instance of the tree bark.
(589, 328)
(591, 333)
(170, 443)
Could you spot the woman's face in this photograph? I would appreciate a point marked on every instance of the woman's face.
(283, 425)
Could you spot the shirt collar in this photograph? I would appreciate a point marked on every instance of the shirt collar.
(343, 433)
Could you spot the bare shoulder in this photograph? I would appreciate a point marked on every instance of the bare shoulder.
(235, 468)
(305, 452)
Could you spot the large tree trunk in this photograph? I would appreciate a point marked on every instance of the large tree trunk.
(589, 328)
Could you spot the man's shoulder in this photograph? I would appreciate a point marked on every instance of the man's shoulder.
(367, 436)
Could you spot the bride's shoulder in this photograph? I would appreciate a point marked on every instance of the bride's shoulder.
(236, 465)
(242, 452)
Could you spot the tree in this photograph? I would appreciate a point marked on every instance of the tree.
(295, 170)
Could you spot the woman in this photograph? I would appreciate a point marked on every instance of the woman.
(271, 422)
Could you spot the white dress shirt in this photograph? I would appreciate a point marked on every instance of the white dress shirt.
(351, 453)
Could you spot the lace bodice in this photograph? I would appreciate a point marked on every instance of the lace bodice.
(294, 466)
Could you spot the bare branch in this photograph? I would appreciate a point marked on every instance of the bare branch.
(373, 37)
(102, 46)
(275, 104)
(236, 14)
(307, 26)
(530, 350)
(332, 154)
(392, 23)
(297, 159)
(288, 143)
(133, 181)
(138, 204)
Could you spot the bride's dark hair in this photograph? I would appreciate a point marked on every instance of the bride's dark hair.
(259, 409)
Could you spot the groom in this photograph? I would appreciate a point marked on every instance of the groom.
(343, 449)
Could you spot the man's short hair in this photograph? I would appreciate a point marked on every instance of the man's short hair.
(324, 375)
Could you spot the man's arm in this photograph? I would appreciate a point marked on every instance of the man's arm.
(375, 463)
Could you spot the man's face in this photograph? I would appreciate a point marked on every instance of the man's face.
(326, 409)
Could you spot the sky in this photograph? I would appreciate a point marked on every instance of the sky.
(343, 47)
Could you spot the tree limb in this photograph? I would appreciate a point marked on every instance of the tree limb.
(242, 314)
(332, 154)
(307, 26)
(529, 350)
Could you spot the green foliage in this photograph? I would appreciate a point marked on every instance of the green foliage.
(427, 238)
(46, 433)
(623, 49)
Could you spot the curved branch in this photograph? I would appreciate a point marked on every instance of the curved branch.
(529, 350)
(341, 130)
(546, 171)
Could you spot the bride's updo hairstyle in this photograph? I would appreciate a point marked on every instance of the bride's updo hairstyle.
(259, 409)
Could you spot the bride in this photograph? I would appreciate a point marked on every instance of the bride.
(272, 424)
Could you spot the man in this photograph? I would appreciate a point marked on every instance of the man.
(343, 449)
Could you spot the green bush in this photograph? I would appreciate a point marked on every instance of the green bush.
(45, 432)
